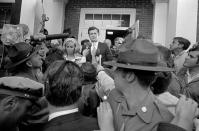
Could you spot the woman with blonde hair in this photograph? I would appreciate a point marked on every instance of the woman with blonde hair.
(71, 50)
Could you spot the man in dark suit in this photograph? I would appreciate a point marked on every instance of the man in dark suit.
(63, 89)
(102, 48)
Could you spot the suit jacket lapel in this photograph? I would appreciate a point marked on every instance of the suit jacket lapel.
(99, 47)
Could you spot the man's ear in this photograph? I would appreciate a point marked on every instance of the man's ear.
(130, 77)
(29, 63)
(9, 103)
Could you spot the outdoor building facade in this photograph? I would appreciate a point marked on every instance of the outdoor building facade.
(159, 20)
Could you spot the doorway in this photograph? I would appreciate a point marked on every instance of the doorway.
(112, 34)
(105, 19)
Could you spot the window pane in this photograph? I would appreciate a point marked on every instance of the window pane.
(115, 17)
(106, 16)
(125, 20)
(97, 16)
(89, 16)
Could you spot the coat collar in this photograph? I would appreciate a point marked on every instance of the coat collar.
(64, 119)
(144, 110)
(61, 113)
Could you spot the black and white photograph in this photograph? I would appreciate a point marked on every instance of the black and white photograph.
(99, 65)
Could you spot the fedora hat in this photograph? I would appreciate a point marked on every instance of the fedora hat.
(139, 54)
(19, 53)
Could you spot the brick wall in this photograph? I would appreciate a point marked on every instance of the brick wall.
(144, 12)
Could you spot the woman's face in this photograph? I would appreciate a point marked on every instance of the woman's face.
(70, 48)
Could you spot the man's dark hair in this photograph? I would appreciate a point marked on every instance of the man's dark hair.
(145, 78)
(163, 79)
(186, 43)
(93, 28)
(63, 83)
(90, 72)
(161, 83)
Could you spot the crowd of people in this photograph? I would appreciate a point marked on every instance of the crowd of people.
(130, 85)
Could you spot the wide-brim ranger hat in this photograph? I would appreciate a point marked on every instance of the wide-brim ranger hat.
(21, 87)
(139, 54)
(19, 53)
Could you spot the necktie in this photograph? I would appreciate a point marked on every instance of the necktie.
(93, 50)
(94, 46)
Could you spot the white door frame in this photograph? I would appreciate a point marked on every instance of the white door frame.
(129, 11)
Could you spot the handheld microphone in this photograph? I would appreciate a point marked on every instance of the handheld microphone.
(48, 37)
